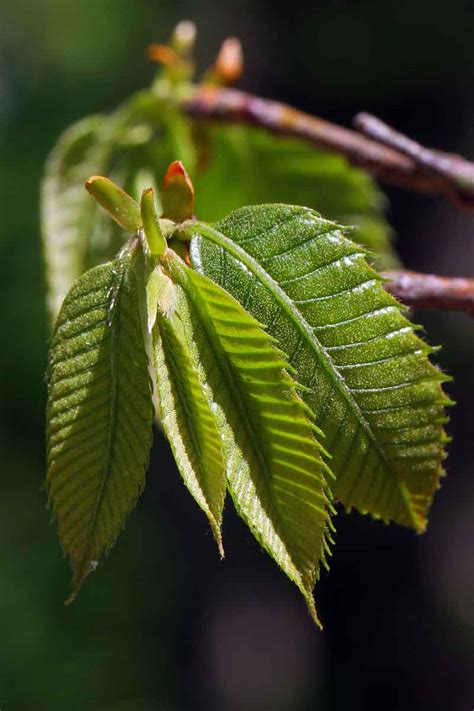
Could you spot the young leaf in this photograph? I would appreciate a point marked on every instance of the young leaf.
(76, 234)
(187, 418)
(277, 169)
(155, 238)
(275, 471)
(99, 413)
(370, 384)
(121, 207)
(177, 193)
(68, 214)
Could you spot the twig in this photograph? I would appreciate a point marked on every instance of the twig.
(458, 172)
(430, 291)
(401, 163)
(391, 156)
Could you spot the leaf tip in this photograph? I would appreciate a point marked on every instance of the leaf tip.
(421, 527)
(92, 179)
(184, 36)
(175, 168)
(312, 610)
(177, 193)
(217, 534)
(80, 574)
(229, 65)
(83, 571)
(70, 598)
(120, 205)
(417, 519)
(220, 545)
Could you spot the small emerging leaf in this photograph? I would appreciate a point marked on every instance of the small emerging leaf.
(177, 193)
(229, 65)
(188, 419)
(184, 37)
(155, 238)
(99, 413)
(120, 206)
(275, 471)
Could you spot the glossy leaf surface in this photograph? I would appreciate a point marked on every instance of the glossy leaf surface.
(373, 390)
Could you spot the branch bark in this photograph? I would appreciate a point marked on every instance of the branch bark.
(390, 156)
(455, 170)
(430, 291)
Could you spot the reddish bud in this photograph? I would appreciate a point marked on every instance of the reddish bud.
(177, 193)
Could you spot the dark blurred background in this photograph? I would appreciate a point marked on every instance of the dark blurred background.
(164, 625)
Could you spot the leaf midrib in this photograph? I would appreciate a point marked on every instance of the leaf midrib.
(183, 400)
(114, 324)
(221, 358)
(202, 229)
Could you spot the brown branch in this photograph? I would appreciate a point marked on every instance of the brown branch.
(429, 291)
(454, 169)
(387, 154)
(403, 162)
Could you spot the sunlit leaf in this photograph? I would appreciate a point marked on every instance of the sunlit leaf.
(99, 412)
(121, 207)
(373, 390)
(133, 145)
(155, 239)
(275, 470)
(187, 417)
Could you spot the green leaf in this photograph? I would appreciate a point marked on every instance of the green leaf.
(187, 418)
(121, 207)
(151, 225)
(243, 165)
(142, 136)
(374, 392)
(236, 165)
(68, 213)
(99, 413)
(275, 470)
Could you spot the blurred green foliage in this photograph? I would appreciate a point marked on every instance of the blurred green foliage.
(230, 166)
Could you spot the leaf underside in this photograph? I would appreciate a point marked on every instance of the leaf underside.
(76, 234)
(99, 413)
(188, 420)
(275, 470)
(373, 390)
(68, 213)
